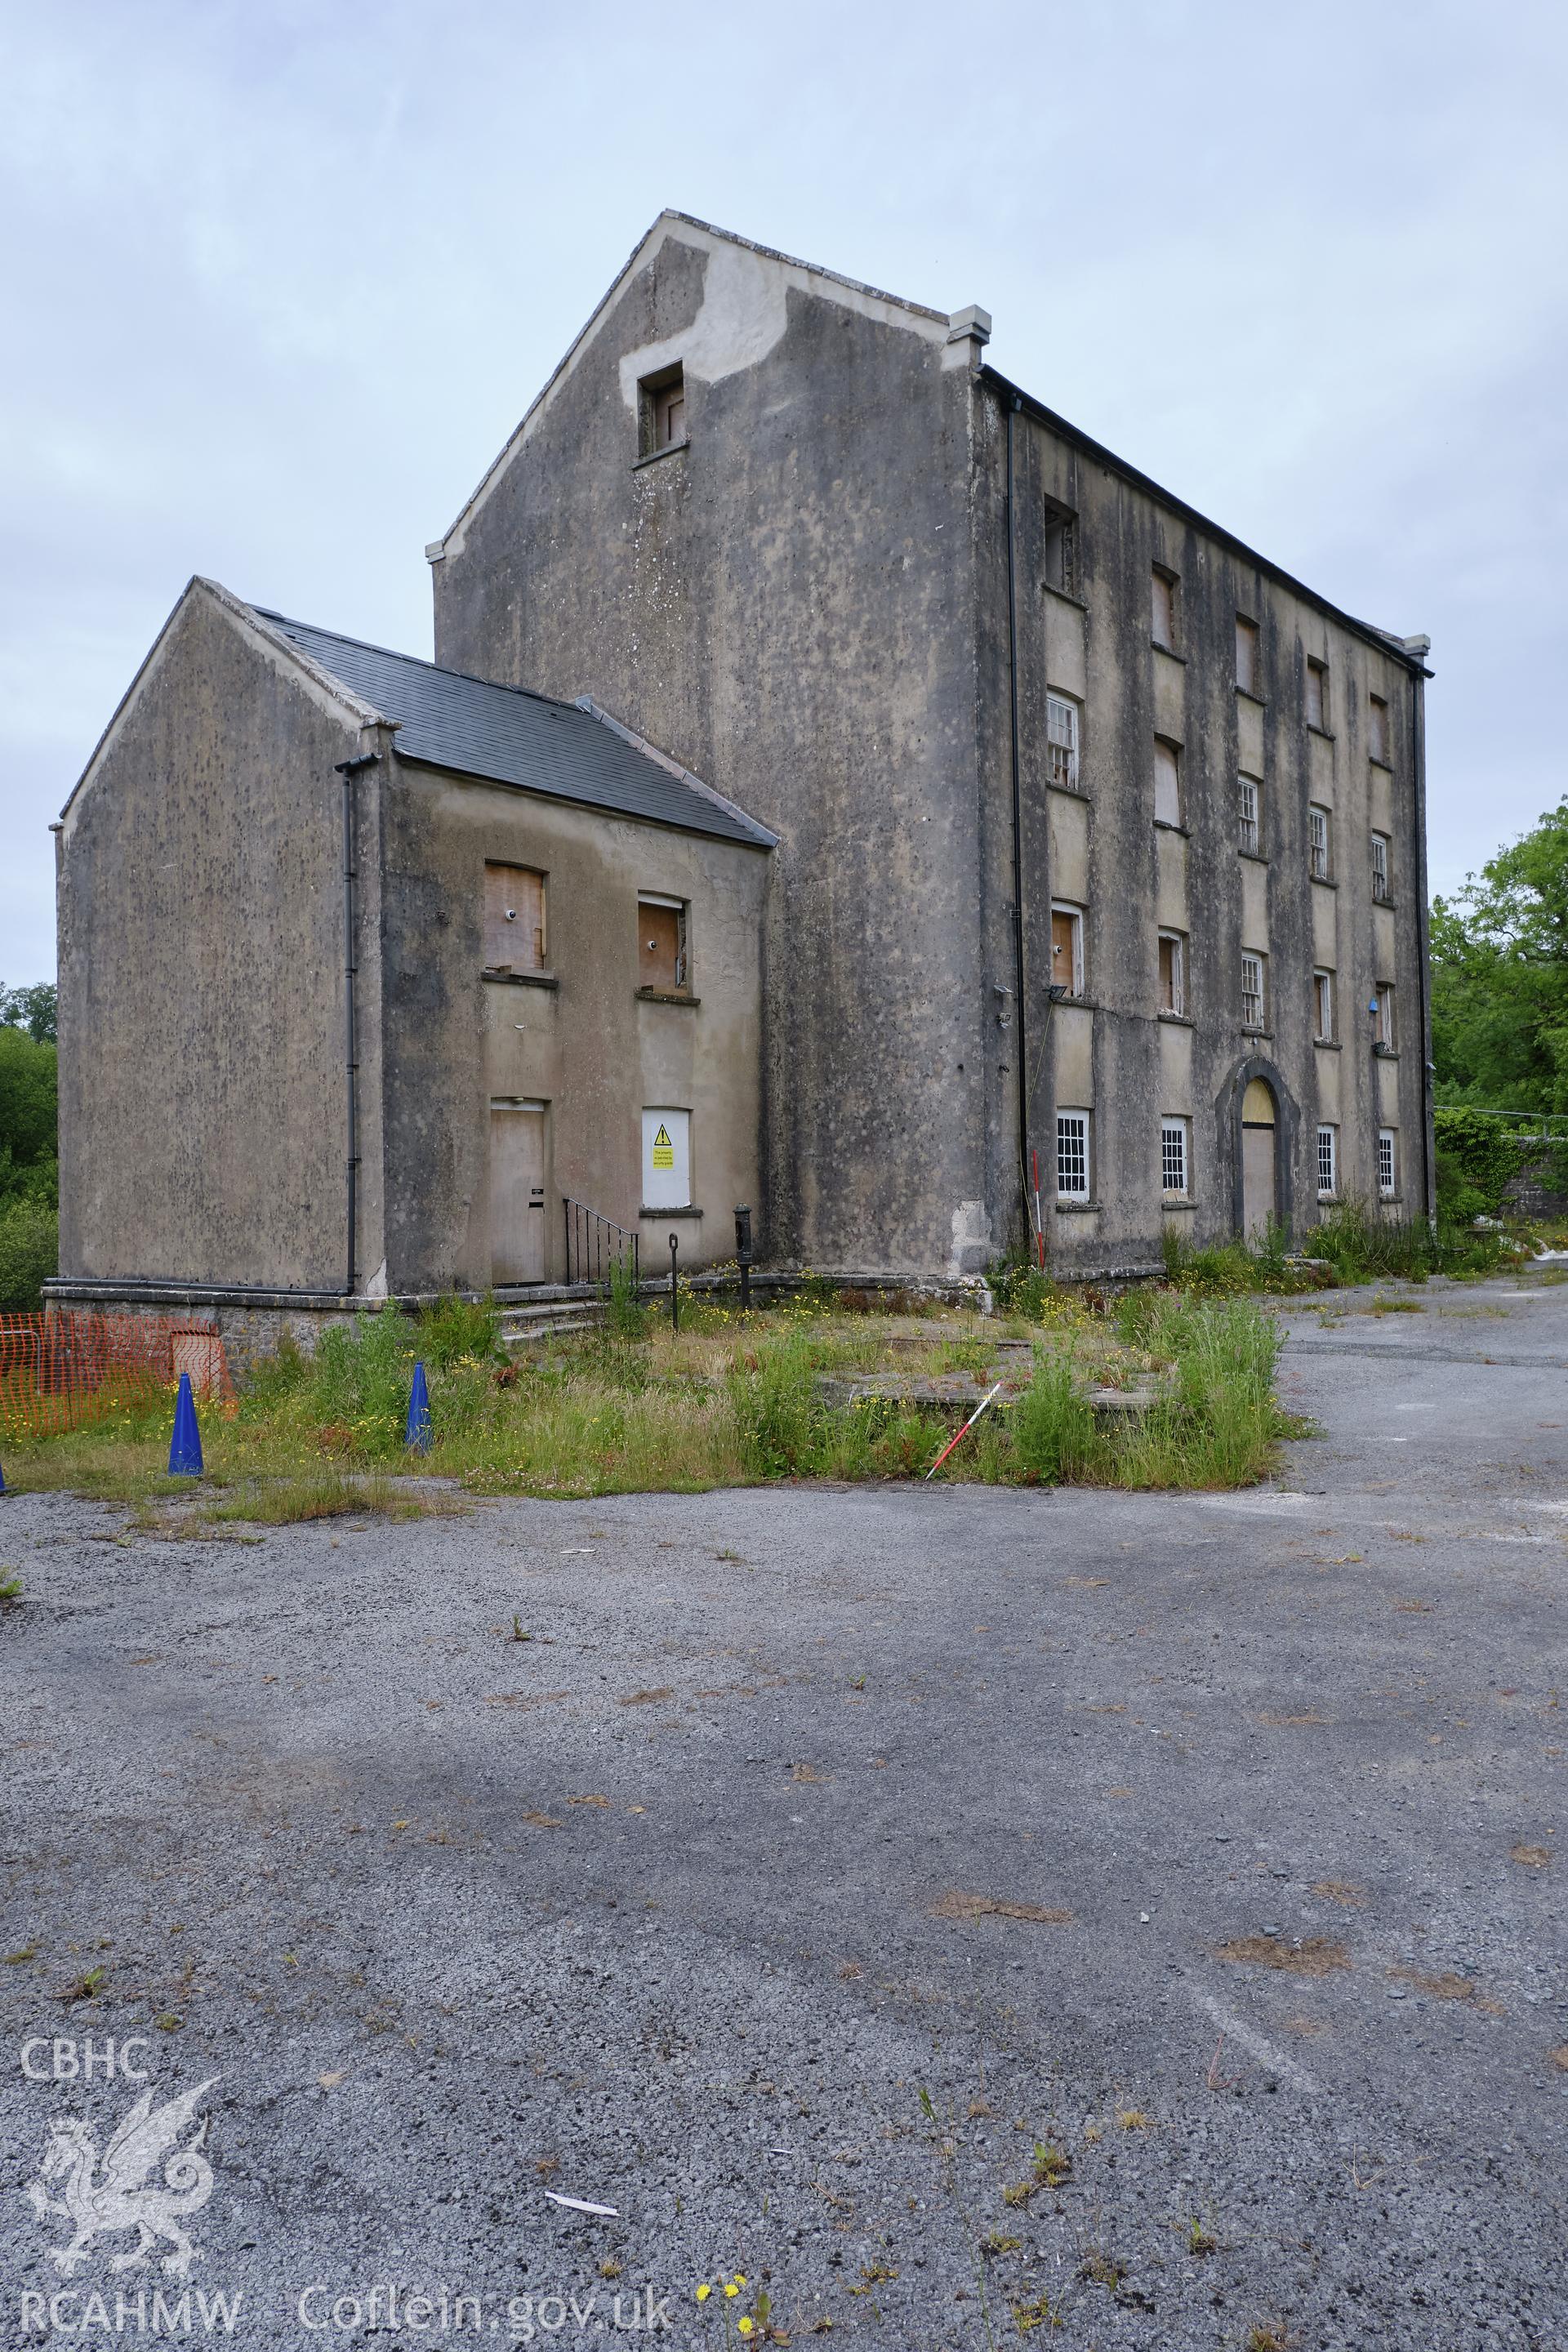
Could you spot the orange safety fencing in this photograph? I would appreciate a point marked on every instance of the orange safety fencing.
(70, 1367)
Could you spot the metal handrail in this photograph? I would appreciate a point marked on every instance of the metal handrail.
(594, 1243)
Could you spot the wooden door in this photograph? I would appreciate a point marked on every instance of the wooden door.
(518, 1240)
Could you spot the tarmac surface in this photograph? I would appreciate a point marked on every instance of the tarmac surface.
(966, 1915)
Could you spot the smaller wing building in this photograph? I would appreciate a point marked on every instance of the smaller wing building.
(379, 980)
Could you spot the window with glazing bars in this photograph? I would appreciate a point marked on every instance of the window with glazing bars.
(1251, 819)
(1328, 1163)
(1324, 1007)
(1318, 844)
(1252, 992)
(1072, 1155)
(1172, 1155)
(1380, 866)
(1387, 1164)
(1061, 741)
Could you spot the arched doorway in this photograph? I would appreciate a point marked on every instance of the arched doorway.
(1260, 1149)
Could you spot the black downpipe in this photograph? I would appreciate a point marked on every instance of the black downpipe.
(1019, 965)
(348, 770)
(1424, 942)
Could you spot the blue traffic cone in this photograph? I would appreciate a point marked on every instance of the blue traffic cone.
(419, 1435)
(186, 1447)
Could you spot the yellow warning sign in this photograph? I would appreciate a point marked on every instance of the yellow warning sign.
(663, 1149)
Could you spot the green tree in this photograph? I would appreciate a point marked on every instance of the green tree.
(32, 1009)
(1500, 977)
(27, 1117)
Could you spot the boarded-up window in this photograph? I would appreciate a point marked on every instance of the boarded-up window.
(1324, 1006)
(1167, 783)
(666, 1158)
(1246, 662)
(661, 945)
(514, 919)
(1377, 728)
(1060, 569)
(1317, 694)
(1383, 1016)
(1067, 949)
(1164, 609)
(1172, 972)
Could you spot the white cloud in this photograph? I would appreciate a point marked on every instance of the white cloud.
(281, 280)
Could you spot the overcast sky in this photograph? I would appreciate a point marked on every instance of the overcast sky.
(278, 279)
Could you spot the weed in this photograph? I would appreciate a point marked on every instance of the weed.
(1098, 2269)
(10, 1589)
(1266, 2336)
(1199, 2239)
(518, 1632)
(1052, 1425)
(84, 1987)
(998, 2242)
(27, 1952)
(1041, 2312)
(1316, 1956)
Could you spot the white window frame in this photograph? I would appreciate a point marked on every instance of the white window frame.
(1329, 1136)
(1388, 1163)
(1178, 972)
(1075, 1139)
(1176, 1132)
(1062, 734)
(1259, 993)
(1322, 1006)
(1075, 917)
(1381, 846)
(1319, 841)
(1250, 825)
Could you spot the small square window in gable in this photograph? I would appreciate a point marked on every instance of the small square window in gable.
(661, 411)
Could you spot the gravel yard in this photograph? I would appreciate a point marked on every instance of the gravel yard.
(959, 1914)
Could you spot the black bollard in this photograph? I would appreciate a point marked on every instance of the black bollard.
(674, 1283)
(743, 1255)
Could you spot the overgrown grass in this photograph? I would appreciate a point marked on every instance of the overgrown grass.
(636, 1407)
(1357, 1245)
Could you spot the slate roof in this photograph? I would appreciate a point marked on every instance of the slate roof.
(508, 735)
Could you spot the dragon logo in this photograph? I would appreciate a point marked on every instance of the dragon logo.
(120, 2196)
